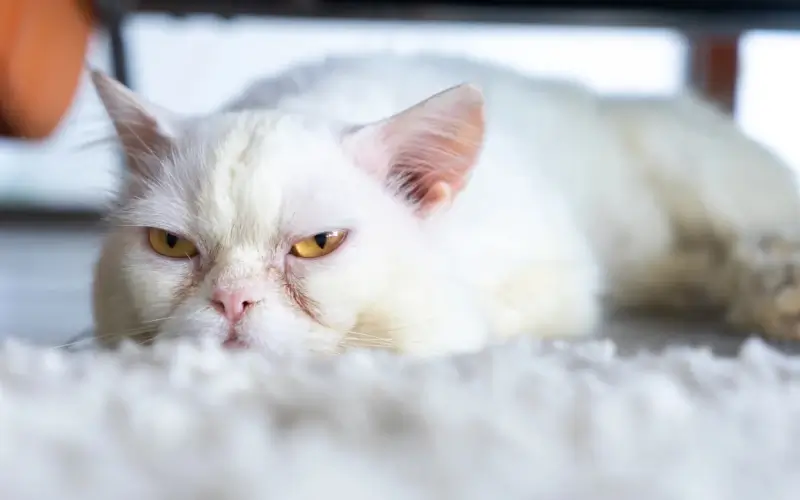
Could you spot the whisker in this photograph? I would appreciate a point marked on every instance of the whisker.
(361, 339)
(145, 327)
(81, 340)
(364, 336)
(100, 141)
(380, 333)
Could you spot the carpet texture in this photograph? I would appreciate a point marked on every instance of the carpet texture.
(524, 421)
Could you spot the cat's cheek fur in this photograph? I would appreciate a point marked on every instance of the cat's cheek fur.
(397, 298)
(280, 328)
(425, 316)
(345, 284)
(194, 318)
(384, 290)
(135, 280)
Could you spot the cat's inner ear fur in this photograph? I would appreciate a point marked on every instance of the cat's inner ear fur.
(145, 131)
(426, 152)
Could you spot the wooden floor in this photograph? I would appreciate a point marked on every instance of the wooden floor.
(45, 283)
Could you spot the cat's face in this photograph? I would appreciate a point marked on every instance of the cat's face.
(265, 229)
(243, 236)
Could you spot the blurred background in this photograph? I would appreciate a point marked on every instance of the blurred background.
(53, 194)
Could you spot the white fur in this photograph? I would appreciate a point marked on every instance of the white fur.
(573, 195)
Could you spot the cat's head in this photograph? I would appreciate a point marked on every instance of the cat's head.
(277, 230)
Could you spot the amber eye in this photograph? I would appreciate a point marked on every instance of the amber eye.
(170, 245)
(319, 245)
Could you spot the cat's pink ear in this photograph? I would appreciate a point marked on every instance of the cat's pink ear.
(426, 152)
(145, 130)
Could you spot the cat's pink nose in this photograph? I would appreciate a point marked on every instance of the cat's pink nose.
(234, 303)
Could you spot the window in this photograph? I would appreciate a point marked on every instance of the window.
(768, 98)
(193, 64)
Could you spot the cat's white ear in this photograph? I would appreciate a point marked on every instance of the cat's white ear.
(427, 151)
(145, 130)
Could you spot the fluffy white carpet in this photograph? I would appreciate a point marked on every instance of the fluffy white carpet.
(524, 421)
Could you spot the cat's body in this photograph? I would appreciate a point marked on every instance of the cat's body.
(564, 198)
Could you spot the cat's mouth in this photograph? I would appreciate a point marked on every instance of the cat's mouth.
(234, 342)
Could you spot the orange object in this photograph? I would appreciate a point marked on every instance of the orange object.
(43, 46)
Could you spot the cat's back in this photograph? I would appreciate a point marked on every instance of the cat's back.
(532, 123)
(368, 88)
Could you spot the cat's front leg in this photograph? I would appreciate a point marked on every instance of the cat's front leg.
(764, 279)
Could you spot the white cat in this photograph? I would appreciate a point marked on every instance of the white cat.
(382, 201)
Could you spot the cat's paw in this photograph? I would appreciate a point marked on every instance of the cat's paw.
(766, 295)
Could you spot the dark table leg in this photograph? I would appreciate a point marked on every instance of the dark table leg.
(111, 14)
